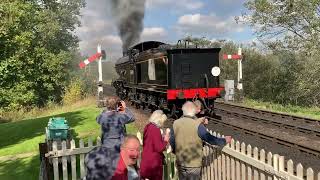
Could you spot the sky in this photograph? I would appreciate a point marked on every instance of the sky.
(166, 21)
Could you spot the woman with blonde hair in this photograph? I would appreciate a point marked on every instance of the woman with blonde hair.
(153, 145)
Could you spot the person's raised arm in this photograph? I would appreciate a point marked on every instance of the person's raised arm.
(160, 144)
(207, 137)
(126, 115)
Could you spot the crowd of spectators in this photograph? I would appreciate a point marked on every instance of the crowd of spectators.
(118, 156)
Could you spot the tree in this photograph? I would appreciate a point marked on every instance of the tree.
(285, 24)
(37, 44)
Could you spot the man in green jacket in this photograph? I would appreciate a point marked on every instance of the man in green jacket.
(186, 141)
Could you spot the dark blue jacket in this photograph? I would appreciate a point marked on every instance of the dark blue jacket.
(113, 127)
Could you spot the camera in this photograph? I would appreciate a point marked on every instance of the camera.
(119, 104)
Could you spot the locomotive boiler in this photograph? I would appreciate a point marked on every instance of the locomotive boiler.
(156, 75)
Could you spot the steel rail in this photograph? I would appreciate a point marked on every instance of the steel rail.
(244, 128)
(301, 124)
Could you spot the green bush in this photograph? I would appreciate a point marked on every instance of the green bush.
(74, 92)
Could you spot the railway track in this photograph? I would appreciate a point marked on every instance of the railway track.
(263, 133)
(290, 131)
(300, 124)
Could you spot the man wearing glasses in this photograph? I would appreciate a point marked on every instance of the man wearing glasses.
(105, 163)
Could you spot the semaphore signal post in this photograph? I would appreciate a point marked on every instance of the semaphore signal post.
(101, 54)
(239, 58)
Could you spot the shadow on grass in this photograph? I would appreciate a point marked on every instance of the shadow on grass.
(17, 132)
(24, 169)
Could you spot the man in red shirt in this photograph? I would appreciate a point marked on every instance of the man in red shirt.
(107, 164)
(129, 154)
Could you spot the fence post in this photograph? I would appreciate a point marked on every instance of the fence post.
(55, 162)
(73, 161)
(43, 149)
(64, 162)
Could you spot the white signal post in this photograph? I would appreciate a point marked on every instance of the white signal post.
(100, 88)
(239, 86)
(239, 58)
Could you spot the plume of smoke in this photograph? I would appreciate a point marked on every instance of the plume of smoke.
(129, 16)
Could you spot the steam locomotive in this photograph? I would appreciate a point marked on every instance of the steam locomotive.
(156, 75)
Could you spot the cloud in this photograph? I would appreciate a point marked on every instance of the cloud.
(181, 4)
(206, 25)
(98, 27)
(154, 33)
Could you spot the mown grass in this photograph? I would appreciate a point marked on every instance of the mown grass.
(310, 112)
(24, 136)
(25, 168)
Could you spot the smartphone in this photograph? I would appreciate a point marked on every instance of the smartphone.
(119, 104)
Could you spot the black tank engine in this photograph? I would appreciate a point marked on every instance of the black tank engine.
(156, 75)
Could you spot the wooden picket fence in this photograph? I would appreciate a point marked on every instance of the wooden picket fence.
(235, 161)
(240, 161)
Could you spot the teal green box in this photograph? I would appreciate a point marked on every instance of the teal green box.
(57, 128)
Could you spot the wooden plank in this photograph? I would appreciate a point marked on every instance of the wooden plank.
(98, 141)
(269, 162)
(249, 169)
(281, 163)
(209, 162)
(212, 156)
(263, 160)
(55, 162)
(275, 165)
(255, 170)
(238, 172)
(219, 165)
(299, 170)
(310, 174)
(169, 160)
(69, 152)
(175, 168)
(228, 168)
(215, 162)
(204, 170)
(64, 162)
(232, 145)
(243, 165)
(290, 167)
(139, 136)
(82, 165)
(73, 161)
(223, 164)
(233, 169)
(90, 142)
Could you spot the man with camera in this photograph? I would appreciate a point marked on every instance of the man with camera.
(113, 120)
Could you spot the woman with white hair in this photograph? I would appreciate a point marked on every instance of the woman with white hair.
(153, 145)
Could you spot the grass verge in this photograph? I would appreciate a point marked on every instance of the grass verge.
(310, 112)
(23, 136)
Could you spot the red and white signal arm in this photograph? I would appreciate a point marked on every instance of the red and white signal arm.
(92, 58)
(232, 56)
